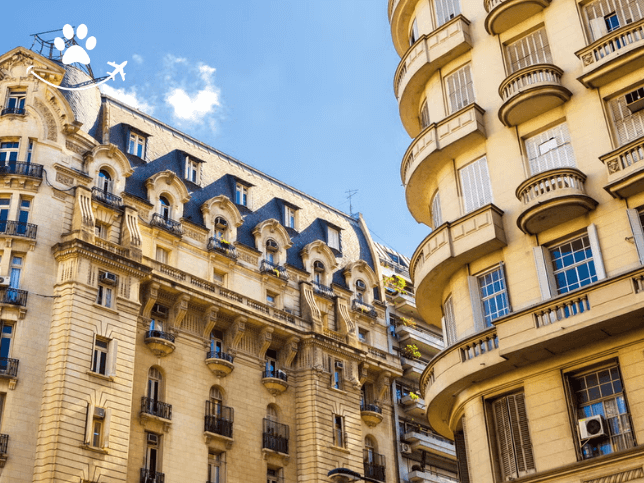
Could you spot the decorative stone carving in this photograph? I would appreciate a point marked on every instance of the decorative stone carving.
(50, 122)
(290, 350)
(265, 339)
(150, 299)
(235, 333)
(180, 309)
(210, 317)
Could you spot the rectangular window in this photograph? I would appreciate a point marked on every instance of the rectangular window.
(15, 102)
(446, 10)
(494, 295)
(152, 454)
(137, 145)
(338, 431)
(241, 194)
(513, 443)
(460, 89)
(97, 427)
(100, 230)
(333, 238)
(99, 361)
(6, 335)
(30, 151)
(604, 16)
(475, 185)
(628, 125)
(104, 296)
(413, 32)
(550, 149)
(216, 467)
(363, 335)
(192, 170)
(273, 475)
(162, 255)
(529, 50)
(271, 299)
(337, 375)
(603, 419)
(9, 152)
(289, 217)
(573, 265)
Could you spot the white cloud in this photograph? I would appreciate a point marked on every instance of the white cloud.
(200, 99)
(137, 58)
(128, 97)
(173, 59)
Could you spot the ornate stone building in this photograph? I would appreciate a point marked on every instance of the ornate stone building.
(527, 127)
(170, 314)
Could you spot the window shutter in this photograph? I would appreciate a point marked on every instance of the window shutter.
(106, 428)
(597, 254)
(460, 89)
(629, 126)
(544, 270)
(475, 185)
(88, 423)
(461, 455)
(477, 307)
(112, 357)
(521, 434)
(638, 232)
(437, 219)
(530, 50)
(560, 156)
(504, 439)
(507, 290)
(449, 324)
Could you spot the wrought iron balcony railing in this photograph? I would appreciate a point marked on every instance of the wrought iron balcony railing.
(323, 290)
(159, 334)
(4, 442)
(274, 269)
(219, 419)
(374, 408)
(227, 248)
(219, 355)
(166, 224)
(21, 168)
(14, 110)
(275, 436)
(275, 373)
(364, 308)
(374, 465)
(13, 296)
(106, 197)
(151, 476)
(8, 367)
(18, 228)
(156, 408)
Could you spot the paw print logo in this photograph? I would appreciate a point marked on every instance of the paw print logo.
(75, 53)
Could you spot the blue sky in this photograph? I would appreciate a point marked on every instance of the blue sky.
(300, 89)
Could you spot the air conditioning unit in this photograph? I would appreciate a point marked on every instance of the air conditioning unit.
(405, 448)
(153, 438)
(221, 223)
(99, 413)
(635, 100)
(592, 427)
(271, 245)
(4, 281)
(108, 277)
(339, 364)
(361, 285)
(160, 310)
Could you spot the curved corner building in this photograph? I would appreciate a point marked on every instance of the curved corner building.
(527, 165)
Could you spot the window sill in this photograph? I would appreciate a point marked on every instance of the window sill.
(339, 391)
(95, 449)
(109, 309)
(339, 449)
(101, 376)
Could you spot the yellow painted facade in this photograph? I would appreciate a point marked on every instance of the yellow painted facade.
(527, 127)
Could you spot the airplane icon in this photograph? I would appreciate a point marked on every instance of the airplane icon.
(118, 69)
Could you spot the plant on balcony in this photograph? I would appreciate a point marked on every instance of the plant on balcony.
(408, 322)
(395, 283)
(411, 351)
(413, 396)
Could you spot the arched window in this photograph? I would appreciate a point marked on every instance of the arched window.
(370, 450)
(361, 288)
(154, 384)
(104, 181)
(318, 271)
(271, 413)
(271, 250)
(164, 207)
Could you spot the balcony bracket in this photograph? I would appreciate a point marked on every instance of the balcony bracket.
(3, 460)
(274, 457)
(217, 441)
(149, 420)
(12, 385)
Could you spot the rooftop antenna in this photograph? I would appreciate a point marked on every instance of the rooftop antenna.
(351, 194)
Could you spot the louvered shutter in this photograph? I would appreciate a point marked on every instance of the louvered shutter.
(520, 434)
(89, 420)
(446, 10)
(544, 271)
(106, 428)
(437, 219)
(449, 322)
(629, 126)
(460, 89)
(638, 233)
(461, 455)
(504, 439)
(475, 185)
(477, 306)
(550, 149)
(530, 50)
(628, 11)
(593, 239)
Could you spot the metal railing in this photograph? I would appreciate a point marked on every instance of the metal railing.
(13, 110)
(156, 408)
(159, 334)
(227, 248)
(219, 419)
(374, 408)
(151, 476)
(219, 355)
(106, 197)
(364, 308)
(22, 168)
(8, 367)
(275, 436)
(13, 296)
(323, 290)
(4, 442)
(406, 427)
(275, 373)
(374, 465)
(18, 228)
(274, 269)
(167, 224)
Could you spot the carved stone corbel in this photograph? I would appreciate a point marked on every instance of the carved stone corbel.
(236, 332)
(381, 385)
(351, 369)
(310, 310)
(83, 220)
(265, 339)
(210, 316)
(347, 325)
(290, 350)
(150, 299)
(364, 373)
(179, 309)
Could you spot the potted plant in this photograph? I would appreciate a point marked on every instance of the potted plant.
(411, 351)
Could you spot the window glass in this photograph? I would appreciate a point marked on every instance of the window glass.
(446, 10)
(628, 125)
(16, 102)
(494, 295)
(9, 152)
(99, 362)
(241, 194)
(573, 264)
(137, 145)
(164, 207)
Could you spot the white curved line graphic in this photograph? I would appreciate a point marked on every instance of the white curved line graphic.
(30, 68)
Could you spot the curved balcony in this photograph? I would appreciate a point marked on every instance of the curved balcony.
(275, 381)
(430, 53)
(400, 13)
(504, 14)
(616, 54)
(552, 198)
(439, 143)
(447, 249)
(531, 91)
(371, 414)
(220, 363)
(167, 224)
(159, 342)
(625, 169)
(222, 246)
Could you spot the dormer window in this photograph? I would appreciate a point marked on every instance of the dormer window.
(137, 145)
(221, 225)
(333, 238)
(15, 102)
(164, 208)
(104, 181)
(271, 250)
(290, 217)
(192, 170)
(241, 194)
(318, 271)
(361, 288)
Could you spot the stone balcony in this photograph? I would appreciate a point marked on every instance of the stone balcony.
(430, 53)
(448, 248)
(160, 343)
(413, 406)
(220, 363)
(616, 54)
(428, 476)
(413, 368)
(438, 144)
(504, 14)
(531, 91)
(371, 414)
(625, 169)
(430, 443)
(427, 342)
(551, 198)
